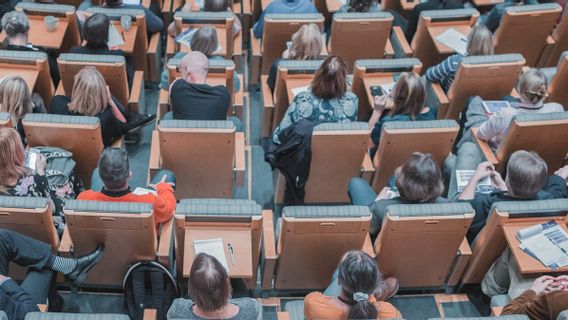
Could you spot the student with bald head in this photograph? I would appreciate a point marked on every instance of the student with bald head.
(191, 98)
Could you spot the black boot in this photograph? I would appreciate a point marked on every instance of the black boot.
(84, 264)
(137, 121)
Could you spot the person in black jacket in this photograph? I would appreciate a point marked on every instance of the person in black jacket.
(17, 300)
(16, 25)
(428, 5)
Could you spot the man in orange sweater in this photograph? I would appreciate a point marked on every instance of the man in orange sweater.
(111, 178)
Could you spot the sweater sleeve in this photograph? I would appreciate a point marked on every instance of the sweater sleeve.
(153, 22)
(440, 71)
(165, 203)
(17, 303)
(557, 187)
(528, 303)
(495, 125)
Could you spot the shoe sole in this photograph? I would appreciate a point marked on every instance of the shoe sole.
(141, 126)
(394, 292)
(83, 275)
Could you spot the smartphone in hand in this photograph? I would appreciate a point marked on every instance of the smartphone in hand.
(31, 158)
(377, 91)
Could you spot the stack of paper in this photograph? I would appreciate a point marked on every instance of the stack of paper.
(213, 247)
(547, 242)
(454, 40)
(464, 176)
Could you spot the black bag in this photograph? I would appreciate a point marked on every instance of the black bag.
(148, 285)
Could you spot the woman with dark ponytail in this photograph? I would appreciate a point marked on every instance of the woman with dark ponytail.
(361, 6)
(357, 292)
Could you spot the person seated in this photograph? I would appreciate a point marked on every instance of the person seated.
(153, 22)
(210, 6)
(360, 6)
(110, 183)
(17, 27)
(16, 100)
(95, 34)
(91, 97)
(205, 41)
(17, 180)
(327, 101)
(479, 43)
(412, 24)
(306, 44)
(18, 300)
(192, 98)
(546, 299)
(406, 103)
(418, 180)
(283, 7)
(526, 179)
(492, 19)
(210, 291)
(357, 291)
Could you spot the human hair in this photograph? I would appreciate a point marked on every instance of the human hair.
(217, 5)
(89, 96)
(532, 86)
(114, 169)
(409, 94)
(15, 23)
(205, 41)
(95, 30)
(359, 276)
(12, 158)
(360, 5)
(420, 179)
(330, 79)
(527, 174)
(209, 285)
(306, 43)
(480, 41)
(113, 3)
(15, 98)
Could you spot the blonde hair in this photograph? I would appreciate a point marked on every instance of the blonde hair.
(480, 41)
(15, 98)
(532, 86)
(408, 94)
(89, 95)
(306, 43)
(12, 158)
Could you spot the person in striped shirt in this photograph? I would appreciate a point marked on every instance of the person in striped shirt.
(480, 43)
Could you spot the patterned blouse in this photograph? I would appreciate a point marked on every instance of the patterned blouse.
(306, 106)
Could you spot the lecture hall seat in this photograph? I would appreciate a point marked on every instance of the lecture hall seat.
(556, 43)
(558, 78)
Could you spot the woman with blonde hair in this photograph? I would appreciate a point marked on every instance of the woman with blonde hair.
(91, 97)
(16, 100)
(17, 180)
(479, 43)
(406, 102)
(306, 44)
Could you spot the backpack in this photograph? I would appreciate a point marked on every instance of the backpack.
(60, 172)
(146, 285)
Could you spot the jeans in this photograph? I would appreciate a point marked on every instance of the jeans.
(97, 183)
(360, 192)
(468, 158)
(504, 277)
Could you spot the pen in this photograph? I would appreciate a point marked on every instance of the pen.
(232, 253)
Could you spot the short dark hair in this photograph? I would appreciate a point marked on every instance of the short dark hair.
(359, 273)
(113, 3)
(420, 179)
(360, 5)
(114, 169)
(217, 5)
(527, 174)
(95, 30)
(209, 285)
(330, 79)
(205, 41)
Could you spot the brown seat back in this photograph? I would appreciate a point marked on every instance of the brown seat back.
(417, 235)
(312, 241)
(80, 135)
(490, 77)
(126, 229)
(348, 29)
(202, 155)
(560, 36)
(557, 87)
(524, 29)
(399, 139)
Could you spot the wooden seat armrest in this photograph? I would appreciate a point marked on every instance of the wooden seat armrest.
(170, 48)
(118, 143)
(165, 243)
(514, 92)
(255, 59)
(398, 40)
(389, 50)
(546, 52)
(239, 99)
(268, 109)
(496, 311)
(462, 260)
(153, 53)
(155, 151)
(441, 99)
(368, 247)
(150, 314)
(42, 307)
(485, 148)
(65, 245)
(269, 249)
(283, 315)
(367, 169)
(238, 52)
(136, 99)
(240, 158)
(60, 91)
(163, 104)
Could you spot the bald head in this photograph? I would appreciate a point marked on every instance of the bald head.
(194, 67)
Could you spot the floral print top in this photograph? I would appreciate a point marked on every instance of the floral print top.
(306, 106)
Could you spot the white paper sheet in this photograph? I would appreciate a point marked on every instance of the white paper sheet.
(213, 247)
(114, 37)
(453, 39)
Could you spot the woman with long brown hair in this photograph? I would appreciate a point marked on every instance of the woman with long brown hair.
(15, 99)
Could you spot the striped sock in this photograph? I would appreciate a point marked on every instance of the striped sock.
(64, 265)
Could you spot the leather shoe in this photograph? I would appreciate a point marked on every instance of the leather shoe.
(138, 121)
(391, 286)
(84, 264)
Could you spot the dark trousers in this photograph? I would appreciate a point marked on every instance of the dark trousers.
(31, 253)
